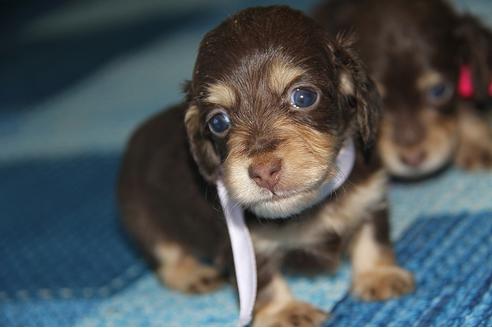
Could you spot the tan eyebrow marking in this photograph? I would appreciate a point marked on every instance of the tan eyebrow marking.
(282, 75)
(221, 94)
(346, 84)
(428, 79)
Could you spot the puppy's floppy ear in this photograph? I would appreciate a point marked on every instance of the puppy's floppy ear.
(476, 50)
(202, 148)
(358, 88)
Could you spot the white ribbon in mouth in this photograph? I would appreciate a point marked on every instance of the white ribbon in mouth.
(242, 246)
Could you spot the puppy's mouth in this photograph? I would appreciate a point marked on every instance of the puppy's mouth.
(427, 168)
(276, 196)
(297, 189)
(415, 176)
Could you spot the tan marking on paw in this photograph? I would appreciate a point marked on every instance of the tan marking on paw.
(189, 276)
(382, 283)
(367, 254)
(293, 314)
(181, 271)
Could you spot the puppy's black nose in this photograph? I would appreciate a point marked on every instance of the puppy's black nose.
(266, 173)
(414, 158)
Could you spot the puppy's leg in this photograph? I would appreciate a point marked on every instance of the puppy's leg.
(475, 140)
(175, 266)
(376, 276)
(276, 306)
(180, 270)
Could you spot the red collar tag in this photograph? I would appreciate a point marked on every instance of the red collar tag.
(465, 83)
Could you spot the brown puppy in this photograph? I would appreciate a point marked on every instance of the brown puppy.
(268, 109)
(414, 51)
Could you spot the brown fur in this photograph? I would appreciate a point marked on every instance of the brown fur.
(375, 274)
(182, 271)
(408, 47)
(167, 194)
(474, 148)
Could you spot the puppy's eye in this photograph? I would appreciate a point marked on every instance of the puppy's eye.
(439, 93)
(303, 97)
(219, 123)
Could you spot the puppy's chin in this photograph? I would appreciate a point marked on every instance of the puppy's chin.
(435, 163)
(405, 172)
(284, 207)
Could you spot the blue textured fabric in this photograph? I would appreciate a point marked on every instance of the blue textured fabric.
(77, 77)
(450, 256)
(67, 215)
(61, 245)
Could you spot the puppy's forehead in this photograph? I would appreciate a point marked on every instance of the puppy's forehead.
(271, 77)
(248, 46)
(414, 36)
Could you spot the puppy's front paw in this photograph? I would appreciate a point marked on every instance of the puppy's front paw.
(382, 283)
(475, 156)
(293, 314)
(191, 277)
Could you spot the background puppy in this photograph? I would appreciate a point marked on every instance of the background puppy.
(414, 51)
(268, 109)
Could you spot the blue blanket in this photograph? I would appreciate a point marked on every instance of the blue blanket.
(77, 78)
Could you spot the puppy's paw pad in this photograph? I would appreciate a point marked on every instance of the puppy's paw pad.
(192, 279)
(475, 157)
(294, 314)
(382, 283)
